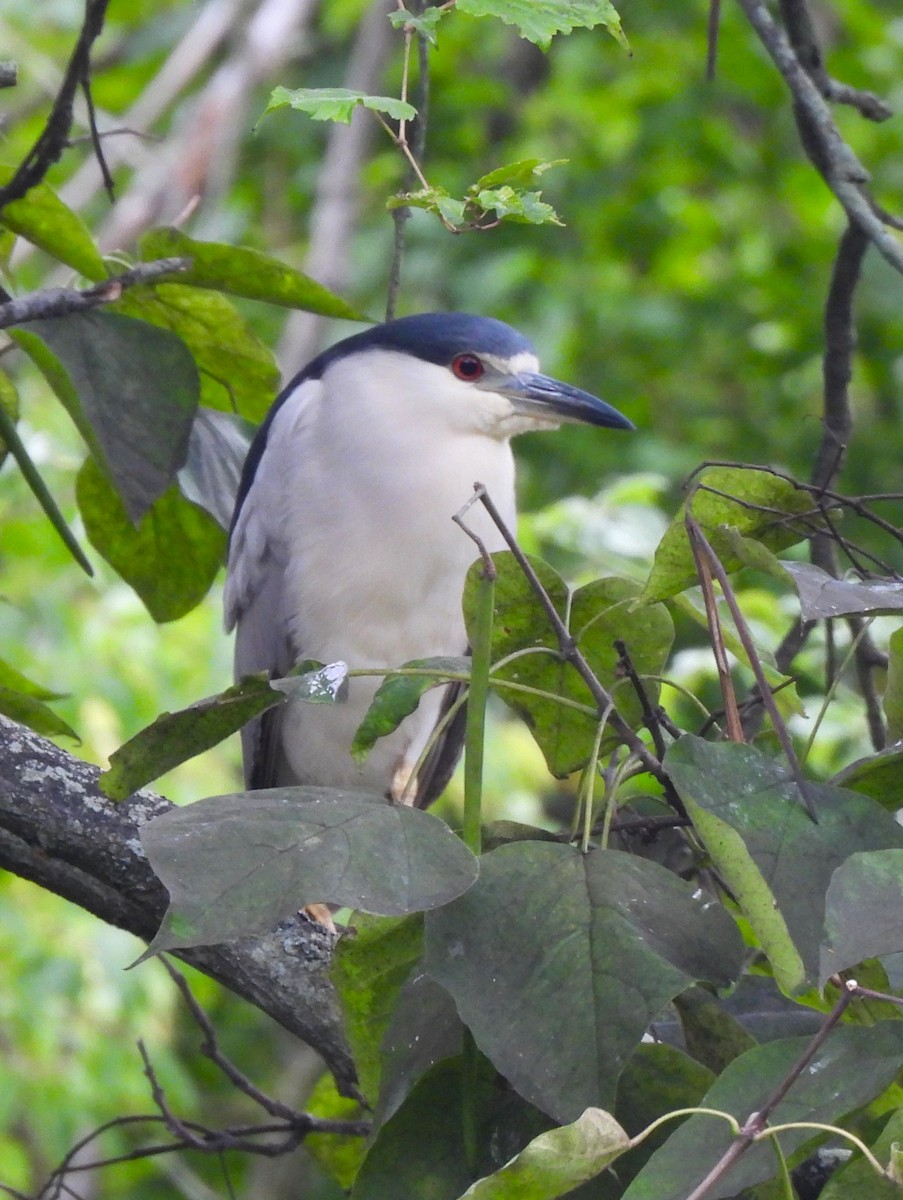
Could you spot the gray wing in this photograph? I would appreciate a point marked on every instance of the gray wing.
(255, 597)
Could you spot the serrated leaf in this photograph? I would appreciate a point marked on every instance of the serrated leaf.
(137, 387)
(753, 821)
(336, 104)
(28, 710)
(175, 737)
(170, 559)
(236, 865)
(822, 596)
(524, 171)
(244, 272)
(423, 23)
(238, 372)
(557, 1161)
(615, 934)
(398, 696)
(507, 203)
(540, 20)
(217, 448)
(43, 219)
(854, 1065)
(369, 967)
(751, 502)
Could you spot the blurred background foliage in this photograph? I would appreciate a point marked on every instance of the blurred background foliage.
(686, 287)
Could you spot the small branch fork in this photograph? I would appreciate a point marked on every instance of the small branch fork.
(755, 1128)
(282, 1134)
(54, 138)
(60, 302)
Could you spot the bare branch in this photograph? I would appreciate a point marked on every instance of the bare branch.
(60, 302)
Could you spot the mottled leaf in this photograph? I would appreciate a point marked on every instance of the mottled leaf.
(609, 936)
(750, 502)
(170, 559)
(753, 821)
(236, 865)
(244, 272)
(175, 737)
(43, 219)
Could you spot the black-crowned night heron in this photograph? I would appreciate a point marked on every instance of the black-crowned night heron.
(342, 544)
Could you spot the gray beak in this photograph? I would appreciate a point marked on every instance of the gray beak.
(535, 395)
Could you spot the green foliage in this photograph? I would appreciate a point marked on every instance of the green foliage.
(541, 20)
(336, 104)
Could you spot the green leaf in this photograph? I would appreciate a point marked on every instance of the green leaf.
(712, 1035)
(752, 819)
(892, 700)
(11, 678)
(524, 171)
(175, 737)
(863, 911)
(423, 23)
(336, 104)
(369, 966)
(236, 865)
(170, 559)
(238, 372)
(598, 615)
(751, 502)
(879, 776)
(43, 219)
(137, 387)
(28, 710)
(859, 1180)
(398, 696)
(616, 935)
(540, 20)
(9, 403)
(556, 1161)
(244, 272)
(339, 1155)
(507, 203)
(854, 1065)
(822, 596)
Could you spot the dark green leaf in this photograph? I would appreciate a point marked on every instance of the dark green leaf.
(852, 1067)
(863, 911)
(398, 696)
(880, 776)
(11, 678)
(28, 710)
(336, 104)
(236, 865)
(558, 961)
(244, 272)
(238, 372)
(751, 502)
(175, 737)
(339, 1155)
(138, 389)
(369, 967)
(775, 859)
(217, 449)
(43, 219)
(9, 403)
(712, 1035)
(170, 560)
(892, 700)
(540, 20)
(859, 1180)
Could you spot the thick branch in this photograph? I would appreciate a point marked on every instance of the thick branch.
(59, 302)
(59, 830)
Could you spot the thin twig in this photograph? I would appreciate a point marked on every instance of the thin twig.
(704, 569)
(54, 136)
(651, 715)
(60, 302)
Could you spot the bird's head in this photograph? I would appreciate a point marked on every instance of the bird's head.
(474, 374)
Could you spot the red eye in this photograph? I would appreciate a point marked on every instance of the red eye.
(467, 367)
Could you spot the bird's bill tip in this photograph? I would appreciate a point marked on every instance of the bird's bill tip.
(534, 395)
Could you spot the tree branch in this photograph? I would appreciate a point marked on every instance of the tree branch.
(59, 830)
(60, 302)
